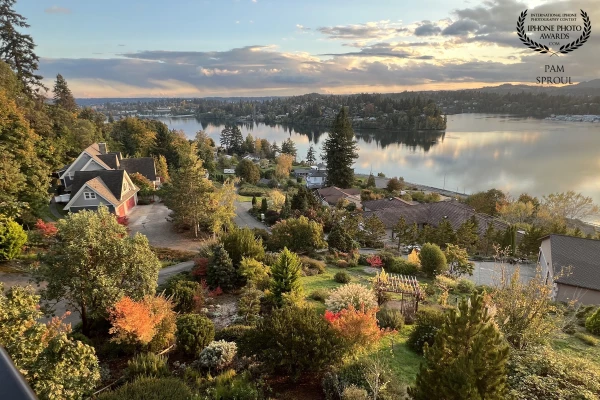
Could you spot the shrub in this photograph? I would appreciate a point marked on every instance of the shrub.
(148, 365)
(12, 238)
(218, 355)
(342, 264)
(194, 333)
(465, 286)
(297, 234)
(228, 386)
(445, 283)
(403, 267)
(293, 340)
(177, 256)
(375, 261)
(271, 257)
(352, 294)
(587, 339)
(427, 323)
(311, 264)
(187, 295)
(583, 313)
(240, 243)
(592, 323)
(320, 295)
(232, 333)
(542, 373)
(354, 393)
(138, 322)
(150, 389)
(357, 327)
(220, 271)
(389, 318)
(255, 273)
(200, 267)
(433, 260)
(249, 304)
(340, 240)
(286, 276)
(342, 277)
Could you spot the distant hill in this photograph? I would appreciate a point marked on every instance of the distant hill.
(588, 88)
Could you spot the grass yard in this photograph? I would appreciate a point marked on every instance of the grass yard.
(248, 199)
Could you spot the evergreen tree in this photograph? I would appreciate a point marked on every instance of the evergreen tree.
(486, 245)
(162, 170)
(286, 210)
(236, 145)
(467, 235)
(433, 260)
(274, 150)
(206, 151)
(402, 231)
(286, 276)
(62, 95)
(445, 234)
(226, 136)
(373, 232)
(311, 156)
(264, 206)
(467, 360)
(340, 240)
(249, 146)
(289, 147)
(253, 201)
(17, 49)
(340, 151)
(220, 271)
(371, 181)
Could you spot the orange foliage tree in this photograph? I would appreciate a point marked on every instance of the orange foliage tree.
(138, 322)
(358, 327)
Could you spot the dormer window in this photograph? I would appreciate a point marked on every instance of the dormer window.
(89, 195)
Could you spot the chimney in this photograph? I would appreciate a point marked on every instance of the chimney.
(102, 148)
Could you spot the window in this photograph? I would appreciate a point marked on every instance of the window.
(89, 195)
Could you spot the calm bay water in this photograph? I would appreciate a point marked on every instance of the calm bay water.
(476, 152)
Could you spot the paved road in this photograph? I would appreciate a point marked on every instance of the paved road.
(168, 272)
(490, 273)
(244, 219)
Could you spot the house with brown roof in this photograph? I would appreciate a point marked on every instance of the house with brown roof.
(331, 195)
(96, 157)
(111, 188)
(429, 214)
(573, 264)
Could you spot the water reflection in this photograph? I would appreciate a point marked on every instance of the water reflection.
(477, 152)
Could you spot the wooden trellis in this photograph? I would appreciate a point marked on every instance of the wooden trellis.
(407, 286)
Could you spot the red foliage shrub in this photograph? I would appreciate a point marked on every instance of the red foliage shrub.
(375, 261)
(200, 267)
(46, 229)
(123, 220)
(358, 327)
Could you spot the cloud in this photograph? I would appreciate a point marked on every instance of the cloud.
(393, 50)
(426, 28)
(368, 31)
(57, 10)
(461, 27)
(302, 28)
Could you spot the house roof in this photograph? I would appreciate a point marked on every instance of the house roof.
(333, 194)
(144, 166)
(582, 255)
(317, 174)
(432, 213)
(111, 179)
(110, 159)
(390, 202)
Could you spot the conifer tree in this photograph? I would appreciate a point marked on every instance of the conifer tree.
(371, 181)
(467, 360)
(62, 95)
(467, 235)
(373, 232)
(17, 49)
(310, 156)
(220, 271)
(289, 147)
(340, 240)
(340, 151)
(445, 234)
(286, 275)
(264, 206)
(286, 210)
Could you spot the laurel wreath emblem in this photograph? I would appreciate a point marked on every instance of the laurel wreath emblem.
(565, 49)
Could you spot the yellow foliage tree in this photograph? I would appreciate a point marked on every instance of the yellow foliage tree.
(284, 166)
(413, 257)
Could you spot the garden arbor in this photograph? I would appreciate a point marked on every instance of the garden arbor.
(406, 286)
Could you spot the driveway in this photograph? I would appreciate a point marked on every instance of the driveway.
(490, 273)
(244, 219)
(151, 221)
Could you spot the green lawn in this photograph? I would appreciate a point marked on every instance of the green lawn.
(247, 199)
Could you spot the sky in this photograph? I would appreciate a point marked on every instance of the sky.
(198, 48)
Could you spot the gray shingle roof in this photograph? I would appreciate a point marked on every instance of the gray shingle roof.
(432, 213)
(110, 159)
(394, 202)
(144, 166)
(112, 179)
(582, 255)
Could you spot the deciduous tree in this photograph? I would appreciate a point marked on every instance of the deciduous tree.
(297, 234)
(283, 166)
(12, 238)
(458, 260)
(248, 171)
(94, 263)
